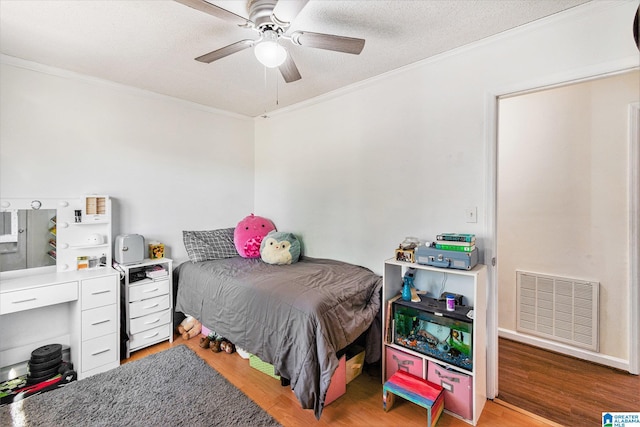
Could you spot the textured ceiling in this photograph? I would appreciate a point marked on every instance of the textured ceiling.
(152, 44)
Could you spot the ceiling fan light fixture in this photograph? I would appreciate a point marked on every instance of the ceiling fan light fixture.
(269, 52)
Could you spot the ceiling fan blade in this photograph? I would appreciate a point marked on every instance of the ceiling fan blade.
(225, 51)
(289, 70)
(285, 11)
(216, 11)
(328, 42)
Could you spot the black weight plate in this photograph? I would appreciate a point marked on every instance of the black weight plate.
(44, 372)
(46, 353)
(44, 365)
(36, 360)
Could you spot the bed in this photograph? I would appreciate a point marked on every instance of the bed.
(295, 317)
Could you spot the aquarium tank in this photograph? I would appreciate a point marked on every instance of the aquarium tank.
(444, 336)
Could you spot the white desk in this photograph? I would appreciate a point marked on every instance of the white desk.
(80, 309)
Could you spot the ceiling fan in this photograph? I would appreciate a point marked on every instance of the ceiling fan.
(271, 19)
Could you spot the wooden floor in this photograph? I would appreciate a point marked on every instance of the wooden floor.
(566, 390)
(360, 406)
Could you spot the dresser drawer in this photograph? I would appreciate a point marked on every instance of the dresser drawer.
(99, 321)
(98, 292)
(148, 306)
(11, 302)
(148, 289)
(149, 321)
(100, 351)
(143, 339)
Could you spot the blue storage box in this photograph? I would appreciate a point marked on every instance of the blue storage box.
(434, 257)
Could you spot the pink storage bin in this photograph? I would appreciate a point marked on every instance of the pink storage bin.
(458, 389)
(338, 385)
(399, 360)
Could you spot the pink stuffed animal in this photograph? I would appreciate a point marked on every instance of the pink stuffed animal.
(249, 233)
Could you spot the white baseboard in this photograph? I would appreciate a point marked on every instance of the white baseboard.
(590, 356)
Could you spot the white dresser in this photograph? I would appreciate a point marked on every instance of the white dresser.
(147, 303)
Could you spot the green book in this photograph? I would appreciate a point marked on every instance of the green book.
(456, 237)
(455, 247)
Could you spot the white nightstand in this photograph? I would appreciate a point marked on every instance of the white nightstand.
(147, 303)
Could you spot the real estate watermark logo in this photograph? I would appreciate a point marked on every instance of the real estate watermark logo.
(621, 419)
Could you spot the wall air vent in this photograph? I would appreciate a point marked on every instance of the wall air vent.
(558, 308)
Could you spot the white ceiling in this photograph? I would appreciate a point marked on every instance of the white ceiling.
(151, 44)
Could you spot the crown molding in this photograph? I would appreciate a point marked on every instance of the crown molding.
(71, 75)
(575, 13)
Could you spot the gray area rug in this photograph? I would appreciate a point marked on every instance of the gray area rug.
(172, 388)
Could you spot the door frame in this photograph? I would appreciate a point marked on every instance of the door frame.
(490, 253)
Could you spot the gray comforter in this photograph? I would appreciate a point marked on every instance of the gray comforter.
(294, 317)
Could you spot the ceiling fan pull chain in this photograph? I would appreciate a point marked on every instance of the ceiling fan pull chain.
(266, 91)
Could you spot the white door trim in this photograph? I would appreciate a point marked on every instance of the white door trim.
(634, 238)
(490, 253)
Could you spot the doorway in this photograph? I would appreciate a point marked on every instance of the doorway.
(565, 197)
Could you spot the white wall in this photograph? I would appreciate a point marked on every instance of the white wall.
(169, 165)
(406, 153)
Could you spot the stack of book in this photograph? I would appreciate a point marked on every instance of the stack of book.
(456, 242)
(156, 272)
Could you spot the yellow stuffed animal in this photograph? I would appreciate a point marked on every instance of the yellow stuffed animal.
(189, 328)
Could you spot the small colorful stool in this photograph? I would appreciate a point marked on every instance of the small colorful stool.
(416, 390)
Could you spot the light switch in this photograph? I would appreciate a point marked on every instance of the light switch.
(471, 214)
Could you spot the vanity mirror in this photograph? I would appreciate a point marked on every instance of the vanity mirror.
(27, 239)
(48, 235)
